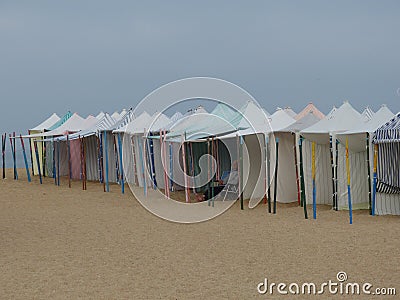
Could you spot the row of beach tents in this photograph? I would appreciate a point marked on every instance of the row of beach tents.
(346, 159)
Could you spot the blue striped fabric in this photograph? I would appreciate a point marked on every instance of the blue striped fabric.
(388, 172)
(388, 132)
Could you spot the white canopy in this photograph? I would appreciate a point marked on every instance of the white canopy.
(50, 121)
(342, 119)
(73, 124)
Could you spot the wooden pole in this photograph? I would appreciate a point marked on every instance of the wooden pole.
(37, 161)
(348, 182)
(184, 169)
(13, 155)
(106, 157)
(369, 176)
(276, 173)
(313, 182)
(297, 173)
(240, 168)
(3, 152)
(69, 162)
(269, 176)
(84, 162)
(375, 179)
(28, 175)
(145, 170)
(120, 164)
(58, 162)
(54, 162)
(302, 184)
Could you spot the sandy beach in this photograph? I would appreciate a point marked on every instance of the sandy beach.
(58, 243)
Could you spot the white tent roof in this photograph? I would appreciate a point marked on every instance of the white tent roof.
(340, 120)
(306, 121)
(290, 112)
(101, 124)
(50, 121)
(255, 117)
(357, 135)
(116, 116)
(367, 113)
(137, 125)
(74, 124)
(280, 120)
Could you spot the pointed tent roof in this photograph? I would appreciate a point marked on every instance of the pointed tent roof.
(367, 113)
(280, 120)
(137, 125)
(74, 124)
(254, 116)
(122, 122)
(50, 121)
(61, 121)
(116, 116)
(342, 119)
(357, 135)
(310, 107)
(306, 121)
(100, 115)
(290, 111)
(105, 122)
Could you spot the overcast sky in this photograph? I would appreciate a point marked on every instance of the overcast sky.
(91, 56)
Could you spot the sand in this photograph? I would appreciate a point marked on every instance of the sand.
(57, 242)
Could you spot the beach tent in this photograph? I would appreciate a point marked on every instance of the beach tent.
(361, 153)
(289, 154)
(72, 125)
(90, 139)
(310, 108)
(323, 135)
(387, 187)
(111, 146)
(42, 127)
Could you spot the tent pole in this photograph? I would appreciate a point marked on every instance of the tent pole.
(13, 155)
(266, 169)
(84, 162)
(145, 168)
(116, 159)
(135, 168)
(213, 171)
(302, 184)
(313, 182)
(58, 162)
(69, 162)
(297, 172)
(268, 175)
(106, 157)
(241, 173)
(348, 182)
(165, 166)
(3, 152)
(276, 173)
(82, 171)
(334, 205)
(171, 167)
(31, 152)
(54, 163)
(369, 174)
(184, 168)
(37, 160)
(120, 164)
(375, 179)
(208, 167)
(25, 159)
